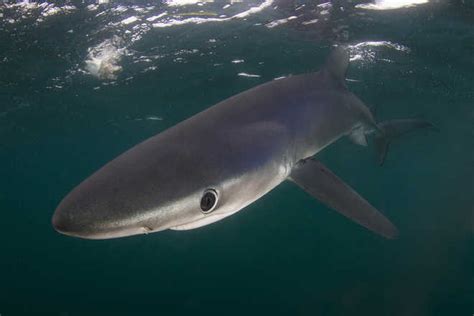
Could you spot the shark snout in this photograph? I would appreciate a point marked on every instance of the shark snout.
(66, 222)
(100, 214)
(61, 223)
(73, 226)
(73, 219)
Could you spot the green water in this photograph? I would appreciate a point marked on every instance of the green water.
(286, 254)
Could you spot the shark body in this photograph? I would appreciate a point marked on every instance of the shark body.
(226, 157)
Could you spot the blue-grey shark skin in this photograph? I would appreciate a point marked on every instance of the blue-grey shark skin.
(241, 147)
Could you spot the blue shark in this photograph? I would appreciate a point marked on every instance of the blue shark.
(226, 157)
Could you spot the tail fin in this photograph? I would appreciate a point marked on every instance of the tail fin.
(389, 130)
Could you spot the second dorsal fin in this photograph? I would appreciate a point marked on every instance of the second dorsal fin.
(337, 63)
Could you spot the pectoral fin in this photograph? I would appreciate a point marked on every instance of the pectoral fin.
(313, 177)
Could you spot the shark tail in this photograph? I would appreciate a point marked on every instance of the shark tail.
(389, 130)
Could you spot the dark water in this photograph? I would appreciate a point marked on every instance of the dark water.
(62, 116)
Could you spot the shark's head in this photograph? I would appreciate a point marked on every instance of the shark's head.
(166, 184)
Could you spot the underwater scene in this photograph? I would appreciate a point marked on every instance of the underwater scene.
(335, 175)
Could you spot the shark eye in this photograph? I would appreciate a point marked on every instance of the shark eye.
(209, 200)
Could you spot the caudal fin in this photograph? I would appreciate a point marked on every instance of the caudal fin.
(389, 130)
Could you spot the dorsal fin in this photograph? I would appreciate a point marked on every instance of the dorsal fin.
(337, 63)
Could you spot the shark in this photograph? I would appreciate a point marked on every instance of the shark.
(226, 157)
